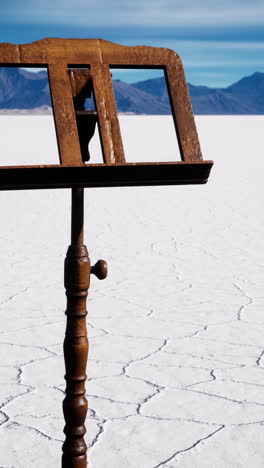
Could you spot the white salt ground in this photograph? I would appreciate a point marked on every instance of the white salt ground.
(175, 368)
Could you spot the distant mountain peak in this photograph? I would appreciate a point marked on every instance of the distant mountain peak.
(249, 85)
(258, 74)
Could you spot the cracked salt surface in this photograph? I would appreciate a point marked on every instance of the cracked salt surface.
(175, 370)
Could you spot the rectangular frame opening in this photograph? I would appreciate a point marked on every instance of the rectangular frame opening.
(27, 129)
(145, 114)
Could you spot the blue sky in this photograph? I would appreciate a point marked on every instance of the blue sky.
(220, 41)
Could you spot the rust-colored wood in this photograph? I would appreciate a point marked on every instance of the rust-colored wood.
(109, 129)
(182, 113)
(77, 279)
(100, 269)
(52, 50)
(137, 56)
(64, 115)
(84, 52)
(81, 83)
(98, 55)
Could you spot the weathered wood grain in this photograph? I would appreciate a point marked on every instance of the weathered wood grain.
(109, 129)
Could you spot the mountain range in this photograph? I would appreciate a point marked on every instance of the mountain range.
(21, 89)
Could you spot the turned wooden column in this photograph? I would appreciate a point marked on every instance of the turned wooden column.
(77, 280)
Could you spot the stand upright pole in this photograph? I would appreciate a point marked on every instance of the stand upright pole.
(77, 280)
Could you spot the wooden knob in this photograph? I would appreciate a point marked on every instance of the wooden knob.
(100, 269)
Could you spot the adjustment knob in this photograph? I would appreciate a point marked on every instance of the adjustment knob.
(100, 269)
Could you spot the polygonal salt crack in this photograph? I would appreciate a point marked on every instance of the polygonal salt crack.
(249, 301)
(189, 448)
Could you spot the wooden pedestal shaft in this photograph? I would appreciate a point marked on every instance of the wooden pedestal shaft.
(77, 280)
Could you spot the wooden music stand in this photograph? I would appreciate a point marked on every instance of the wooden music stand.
(75, 126)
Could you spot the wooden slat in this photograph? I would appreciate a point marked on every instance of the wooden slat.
(109, 129)
(64, 115)
(182, 113)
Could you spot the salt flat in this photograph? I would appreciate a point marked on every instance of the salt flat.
(176, 366)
